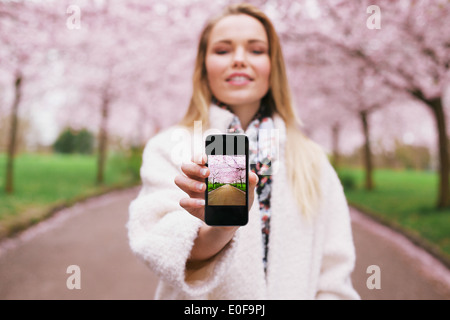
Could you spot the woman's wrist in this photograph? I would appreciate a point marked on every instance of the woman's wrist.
(210, 241)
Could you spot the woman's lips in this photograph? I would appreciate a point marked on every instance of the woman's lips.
(239, 79)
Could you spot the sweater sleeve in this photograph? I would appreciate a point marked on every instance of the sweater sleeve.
(162, 233)
(338, 258)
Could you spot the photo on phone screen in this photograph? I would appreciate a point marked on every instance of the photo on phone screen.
(226, 196)
(227, 183)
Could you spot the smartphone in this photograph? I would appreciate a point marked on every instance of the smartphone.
(226, 194)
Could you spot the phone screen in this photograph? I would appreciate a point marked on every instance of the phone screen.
(226, 195)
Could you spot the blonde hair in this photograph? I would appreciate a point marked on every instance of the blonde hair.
(302, 155)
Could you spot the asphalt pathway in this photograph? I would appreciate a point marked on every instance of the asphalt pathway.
(92, 236)
(226, 195)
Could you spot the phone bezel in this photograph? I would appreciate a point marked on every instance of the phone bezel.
(228, 215)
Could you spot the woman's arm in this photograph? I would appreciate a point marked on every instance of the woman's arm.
(210, 240)
(167, 236)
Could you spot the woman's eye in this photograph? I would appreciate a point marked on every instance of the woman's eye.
(258, 51)
(223, 51)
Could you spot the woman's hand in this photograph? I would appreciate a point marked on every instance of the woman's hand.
(210, 240)
(194, 185)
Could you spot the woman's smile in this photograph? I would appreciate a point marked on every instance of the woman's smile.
(239, 79)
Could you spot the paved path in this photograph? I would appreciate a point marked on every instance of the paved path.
(226, 195)
(92, 235)
(407, 271)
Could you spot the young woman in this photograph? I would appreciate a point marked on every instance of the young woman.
(298, 241)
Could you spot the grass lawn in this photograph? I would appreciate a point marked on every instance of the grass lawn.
(42, 182)
(406, 199)
(218, 185)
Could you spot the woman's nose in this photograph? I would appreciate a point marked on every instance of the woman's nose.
(239, 58)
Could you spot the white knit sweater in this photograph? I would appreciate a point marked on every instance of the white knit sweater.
(308, 259)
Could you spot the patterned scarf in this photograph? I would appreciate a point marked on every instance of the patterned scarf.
(260, 159)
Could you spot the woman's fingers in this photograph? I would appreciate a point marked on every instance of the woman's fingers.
(193, 183)
(193, 188)
(195, 171)
(194, 206)
(192, 203)
(199, 160)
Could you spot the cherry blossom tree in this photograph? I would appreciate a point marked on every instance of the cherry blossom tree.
(26, 32)
(237, 166)
(409, 52)
(227, 169)
(124, 68)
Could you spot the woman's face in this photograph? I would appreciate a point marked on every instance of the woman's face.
(237, 60)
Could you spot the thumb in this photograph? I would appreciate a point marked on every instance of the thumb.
(253, 180)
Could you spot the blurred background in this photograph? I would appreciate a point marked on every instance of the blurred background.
(85, 84)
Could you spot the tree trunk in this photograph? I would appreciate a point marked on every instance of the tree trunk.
(367, 151)
(444, 170)
(102, 141)
(335, 144)
(437, 109)
(9, 184)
